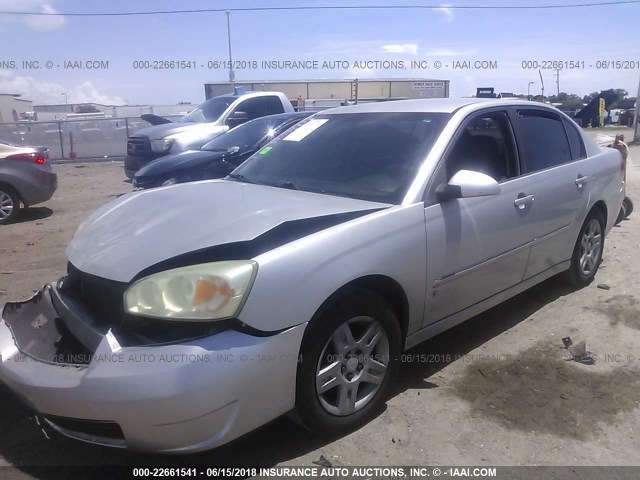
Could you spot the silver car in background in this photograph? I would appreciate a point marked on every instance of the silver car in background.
(26, 177)
(293, 285)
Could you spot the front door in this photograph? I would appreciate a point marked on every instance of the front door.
(477, 247)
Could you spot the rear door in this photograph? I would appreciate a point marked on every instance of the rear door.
(557, 175)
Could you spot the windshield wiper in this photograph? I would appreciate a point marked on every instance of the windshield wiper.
(242, 178)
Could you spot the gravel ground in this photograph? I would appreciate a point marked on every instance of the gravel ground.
(497, 390)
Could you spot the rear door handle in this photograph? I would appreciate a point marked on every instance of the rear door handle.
(523, 200)
(581, 180)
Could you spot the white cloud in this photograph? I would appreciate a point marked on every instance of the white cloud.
(411, 48)
(448, 52)
(35, 22)
(86, 92)
(51, 93)
(447, 11)
(46, 23)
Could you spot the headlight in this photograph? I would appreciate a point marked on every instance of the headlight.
(161, 145)
(210, 291)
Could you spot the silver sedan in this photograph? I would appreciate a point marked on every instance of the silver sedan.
(25, 177)
(195, 313)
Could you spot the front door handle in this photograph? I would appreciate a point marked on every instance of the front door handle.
(523, 200)
(581, 180)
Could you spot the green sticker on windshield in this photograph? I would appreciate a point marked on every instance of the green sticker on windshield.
(265, 150)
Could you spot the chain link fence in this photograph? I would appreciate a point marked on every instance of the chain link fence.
(76, 139)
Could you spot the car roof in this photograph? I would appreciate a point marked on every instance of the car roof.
(442, 105)
(281, 117)
(248, 94)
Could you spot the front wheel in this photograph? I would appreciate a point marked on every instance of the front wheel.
(349, 362)
(587, 253)
(169, 181)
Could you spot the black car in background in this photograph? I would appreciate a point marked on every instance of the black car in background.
(219, 157)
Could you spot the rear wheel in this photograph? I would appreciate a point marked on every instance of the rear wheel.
(9, 204)
(587, 253)
(628, 206)
(349, 361)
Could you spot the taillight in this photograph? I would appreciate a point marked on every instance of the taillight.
(39, 158)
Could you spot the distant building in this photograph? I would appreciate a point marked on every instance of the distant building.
(340, 90)
(14, 109)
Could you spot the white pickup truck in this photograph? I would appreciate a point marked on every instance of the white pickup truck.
(209, 120)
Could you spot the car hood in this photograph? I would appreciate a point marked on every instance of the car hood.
(179, 161)
(156, 132)
(142, 229)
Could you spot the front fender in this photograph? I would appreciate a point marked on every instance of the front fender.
(294, 280)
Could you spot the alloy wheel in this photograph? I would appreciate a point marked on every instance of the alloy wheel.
(591, 247)
(352, 366)
(6, 205)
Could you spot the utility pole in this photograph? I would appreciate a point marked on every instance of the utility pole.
(542, 83)
(636, 131)
(232, 75)
(558, 80)
(529, 90)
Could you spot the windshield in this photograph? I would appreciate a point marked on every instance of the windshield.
(244, 136)
(209, 111)
(368, 156)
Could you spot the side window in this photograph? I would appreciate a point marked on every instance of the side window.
(252, 107)
(273, 105)
(485, 145)
(575, 141)
(544, 140)
(261, 106)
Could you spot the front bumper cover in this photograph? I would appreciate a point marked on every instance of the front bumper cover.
(176, 398)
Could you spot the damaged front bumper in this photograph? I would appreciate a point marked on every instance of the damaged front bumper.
(183, 397)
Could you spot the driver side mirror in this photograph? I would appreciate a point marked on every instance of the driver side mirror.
(466, 184)
(237, 118)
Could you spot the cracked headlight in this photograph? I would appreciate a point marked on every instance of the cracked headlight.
(209, 291)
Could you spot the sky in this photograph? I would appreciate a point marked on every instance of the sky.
(587, 36)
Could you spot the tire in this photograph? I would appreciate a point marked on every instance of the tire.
(9, 204)
(621, 214)
(628, 206)
(587, 253)
(318, 400)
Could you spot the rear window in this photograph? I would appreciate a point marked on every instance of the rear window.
(543, 139)
(210, 110)
(575, 141)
